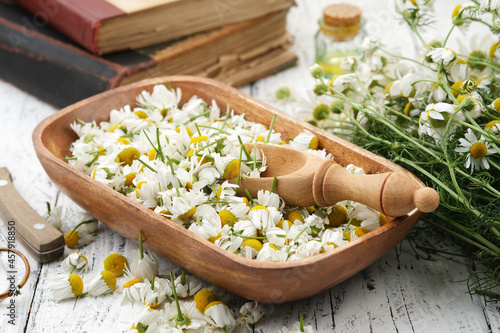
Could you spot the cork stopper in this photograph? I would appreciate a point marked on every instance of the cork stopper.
(341, 15)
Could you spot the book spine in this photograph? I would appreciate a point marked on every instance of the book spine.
(78, 20)
(57, 73)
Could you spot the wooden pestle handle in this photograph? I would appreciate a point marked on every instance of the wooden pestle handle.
(391, 193)
(45, 242)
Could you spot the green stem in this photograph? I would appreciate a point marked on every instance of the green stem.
(405, 58)
(146, 165)
(78, 225)
(493, 249)
(463, 238)
(141, 249)
(270, 129)
(448, 35)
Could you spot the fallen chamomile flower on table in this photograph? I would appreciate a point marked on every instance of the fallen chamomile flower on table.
(75, 262)
(77, 239)
(144, 264)
(116, 264)
(176, 159)
(54, 216)
(103, 283)
(65, 286)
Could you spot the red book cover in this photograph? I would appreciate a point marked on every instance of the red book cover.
(78, 20)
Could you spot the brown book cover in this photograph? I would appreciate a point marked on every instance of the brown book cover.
(52, 67)
(105, 26)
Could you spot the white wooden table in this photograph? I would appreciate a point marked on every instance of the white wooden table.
(401, 292)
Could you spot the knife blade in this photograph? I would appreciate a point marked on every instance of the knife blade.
(44, 241)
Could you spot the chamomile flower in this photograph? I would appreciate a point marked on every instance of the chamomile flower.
(101, 284)
(76, 239)
(204, 297)
(187, 285)
(476, 151)
(65, 286)
(441, 55)
(143, 267)
(54, 216)
(493, 126)
(75, 262)
(116, 264)
(250, 313)
(304, 141)
(220, 315)
(434, 120)
(89, 224)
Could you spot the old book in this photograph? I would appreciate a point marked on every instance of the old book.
(48, 65)
(105, 26)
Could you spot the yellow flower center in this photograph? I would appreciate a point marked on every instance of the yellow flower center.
(253, 243)
(131, 283)
(128, 155)
(347, 236)
(260, 138)
(478, 150)
(232, 169)
(212, 304)
(383, 219)
(496, 105)
(219, 193)
(295, 215)
(258, 207)
(72, 241)
(103, 152)
(123, 141)
(360, 231)
(203, 298)
(113, 128)
(138, 187)
(214, 238)
(456, 88)
(76, 284)
(493, 49)
(141, 114)
(337, 216)
(115, 263)
(130, 178)
(226, 217)
(187, 214)
(190, 153)
(189, 132)
(109, 278)
(408, 108)
(280, 224)
(197, 139)
(314, 143)
(152, 154)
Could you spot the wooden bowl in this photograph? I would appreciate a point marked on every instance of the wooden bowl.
(268, 282)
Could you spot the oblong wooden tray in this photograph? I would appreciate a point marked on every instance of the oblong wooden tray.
(260, 281)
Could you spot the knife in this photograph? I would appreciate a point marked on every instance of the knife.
(44, 241)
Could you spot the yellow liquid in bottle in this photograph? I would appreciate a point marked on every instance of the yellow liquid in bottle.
(332, 61)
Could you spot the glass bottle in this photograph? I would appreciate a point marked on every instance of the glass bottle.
(340, 35)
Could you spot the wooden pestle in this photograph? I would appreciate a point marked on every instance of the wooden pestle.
(304, 179)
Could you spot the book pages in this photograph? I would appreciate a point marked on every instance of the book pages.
(132, 6)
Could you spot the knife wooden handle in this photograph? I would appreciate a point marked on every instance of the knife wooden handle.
(45, 242)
